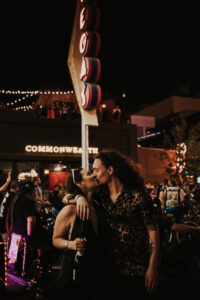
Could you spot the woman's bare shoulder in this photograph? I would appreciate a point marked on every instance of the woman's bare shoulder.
(67, 211)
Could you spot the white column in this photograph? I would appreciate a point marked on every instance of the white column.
(85, 144)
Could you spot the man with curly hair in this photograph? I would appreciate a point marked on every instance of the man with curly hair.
(133, 227)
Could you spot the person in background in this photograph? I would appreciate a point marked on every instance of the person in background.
(14, 188)
(51, 110)
(44, 109)
(21, 220)
(58, 110)
(55, 198)
(36, 110)
(6, 184)
(39, 197)
(161, 188)
(64, 111)
(173, 199)
(179, 245)
(116, 112)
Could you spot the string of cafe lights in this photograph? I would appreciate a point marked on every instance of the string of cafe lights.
(148, 136)
(26, 94)
(18, 100)
(35, 92)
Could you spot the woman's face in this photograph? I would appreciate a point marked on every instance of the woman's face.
(88, 180)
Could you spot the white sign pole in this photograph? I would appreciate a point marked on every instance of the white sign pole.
(85, 144)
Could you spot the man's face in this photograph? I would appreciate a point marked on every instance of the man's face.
(100, 172)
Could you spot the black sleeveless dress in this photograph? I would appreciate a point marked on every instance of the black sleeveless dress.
(91, 270)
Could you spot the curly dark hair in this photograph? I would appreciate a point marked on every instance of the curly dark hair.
(125, 169)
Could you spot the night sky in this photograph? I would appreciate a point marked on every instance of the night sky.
(144, 51)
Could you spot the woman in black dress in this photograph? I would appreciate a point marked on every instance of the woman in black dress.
(82, 242)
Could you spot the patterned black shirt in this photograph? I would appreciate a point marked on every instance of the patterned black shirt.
(127, 219)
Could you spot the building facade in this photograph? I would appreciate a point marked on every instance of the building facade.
(28, 143)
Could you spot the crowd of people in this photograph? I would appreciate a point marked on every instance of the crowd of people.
(109, 232)
(55, 110)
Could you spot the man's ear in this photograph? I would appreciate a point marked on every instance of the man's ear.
(110, 170)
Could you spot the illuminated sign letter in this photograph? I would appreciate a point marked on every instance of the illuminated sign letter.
(56, 149)
(28, 148)
(62, 149)
(49, 149)
(41, 148)
(69, 149)
(34, 149)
